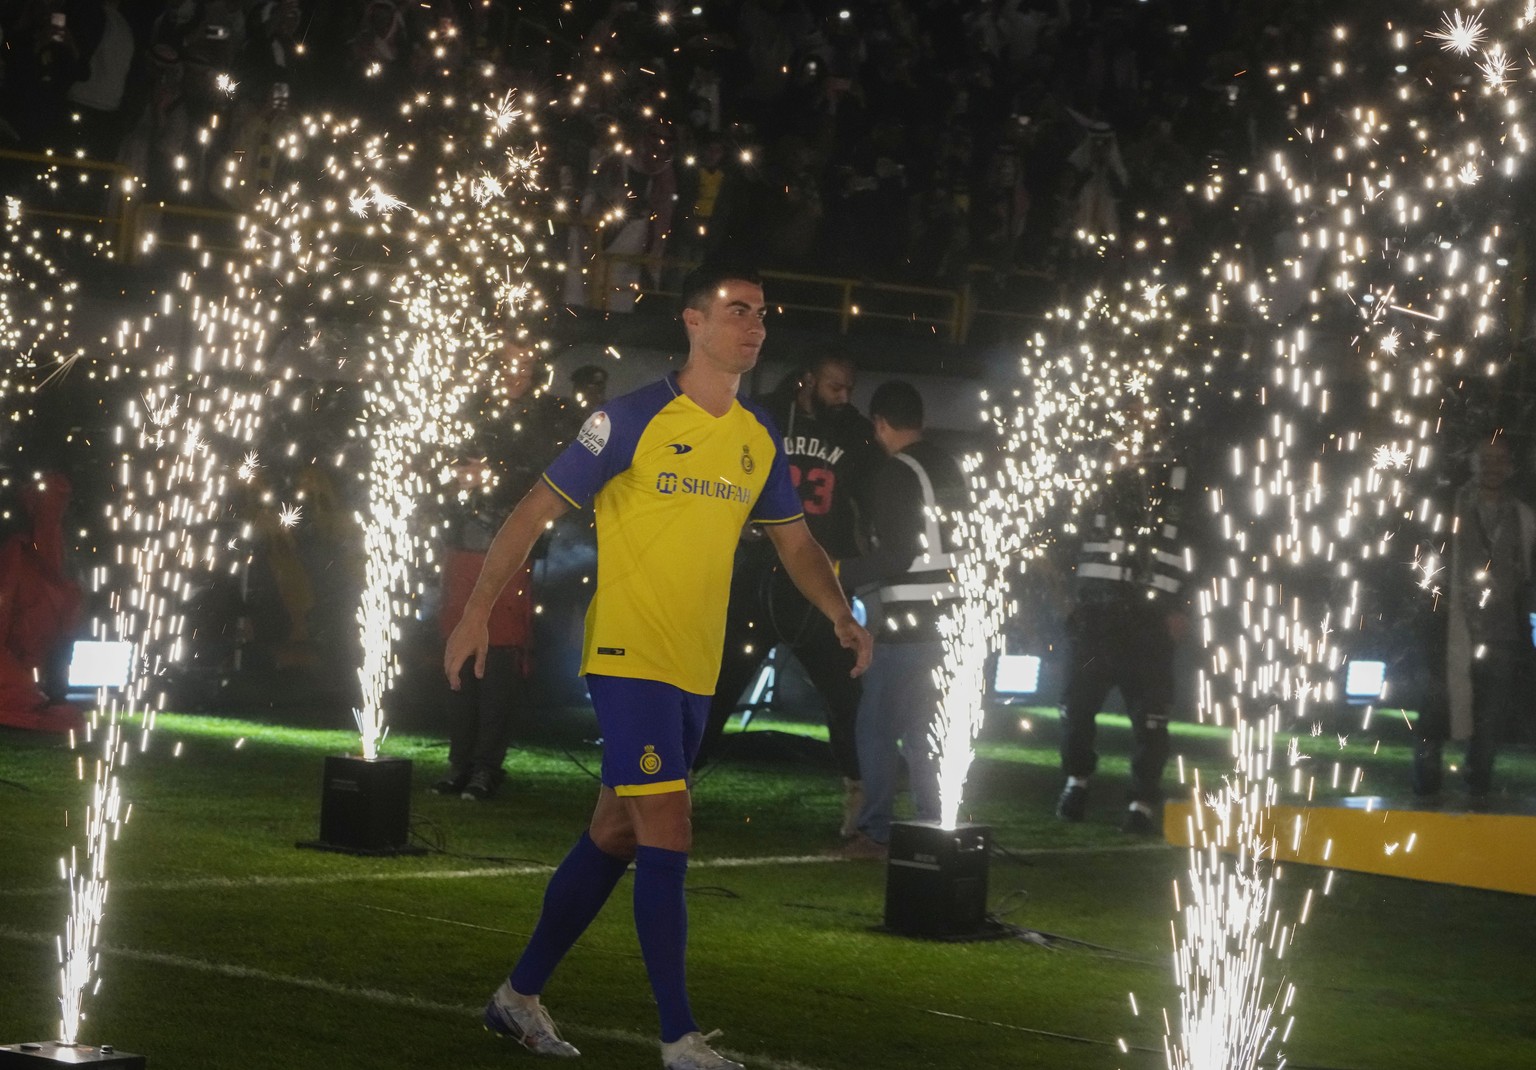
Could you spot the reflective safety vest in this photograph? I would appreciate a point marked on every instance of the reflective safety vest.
(1134, 549)
(930, 580)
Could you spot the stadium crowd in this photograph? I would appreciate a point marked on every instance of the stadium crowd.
(935, 142)
(921, 141)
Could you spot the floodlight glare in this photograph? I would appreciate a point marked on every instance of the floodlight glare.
(1016, 675)
(95, 664)
(1364, 681)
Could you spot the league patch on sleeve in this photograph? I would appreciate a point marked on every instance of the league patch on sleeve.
(594, 433)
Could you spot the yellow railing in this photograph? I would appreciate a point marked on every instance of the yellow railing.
(122, 224)
(849, 299)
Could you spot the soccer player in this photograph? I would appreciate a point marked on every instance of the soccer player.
(674, 470)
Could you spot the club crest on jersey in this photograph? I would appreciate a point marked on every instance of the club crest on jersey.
(747, 463)
(650, 761)
(594, 433)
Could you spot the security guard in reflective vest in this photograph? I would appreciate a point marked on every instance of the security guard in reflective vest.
(907, 581)
(1123, 630)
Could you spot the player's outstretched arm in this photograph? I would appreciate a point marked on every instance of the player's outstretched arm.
(808, 565)
(540, 507)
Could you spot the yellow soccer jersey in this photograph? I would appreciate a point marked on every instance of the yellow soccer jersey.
(673, 487)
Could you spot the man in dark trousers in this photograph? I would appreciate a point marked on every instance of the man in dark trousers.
(1129, 617)
(830, 450)
(907, 582)
(519, 428)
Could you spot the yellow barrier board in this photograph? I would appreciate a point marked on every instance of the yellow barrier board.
(1492, 851)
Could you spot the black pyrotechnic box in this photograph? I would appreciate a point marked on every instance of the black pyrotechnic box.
(365, 807)
(51, 1053)
(936, 880)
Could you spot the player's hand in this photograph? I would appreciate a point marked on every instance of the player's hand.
(856, 638)
(469, 638)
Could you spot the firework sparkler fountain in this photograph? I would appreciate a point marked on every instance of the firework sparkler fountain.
(1392, 219)
(1048, 459)
(1318, 511)
(194, 365)
(440, 292)
(433, 239)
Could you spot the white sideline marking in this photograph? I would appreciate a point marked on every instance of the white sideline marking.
(258, 881)
(372, 995)
(193, 884)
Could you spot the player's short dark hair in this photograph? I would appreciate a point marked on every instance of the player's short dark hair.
(899, 403)
(704, 281)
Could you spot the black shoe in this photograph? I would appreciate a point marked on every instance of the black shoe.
(1138, 823)
(453, 783)
(1073, 803)
(481, 785)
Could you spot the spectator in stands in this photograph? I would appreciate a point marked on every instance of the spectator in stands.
(48, 49)
(704, 192)
(96, 98)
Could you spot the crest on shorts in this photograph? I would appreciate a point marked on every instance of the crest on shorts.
(747, 463)
(650, 761)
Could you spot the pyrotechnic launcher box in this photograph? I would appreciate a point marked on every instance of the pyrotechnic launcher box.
(36, 1056)
(936, 880)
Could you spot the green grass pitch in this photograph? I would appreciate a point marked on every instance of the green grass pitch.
(225, 948)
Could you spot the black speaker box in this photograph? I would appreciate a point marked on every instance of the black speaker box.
(365, 806)
(936, 880)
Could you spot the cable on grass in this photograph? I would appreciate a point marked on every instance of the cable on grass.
(1053, 941)
(18, 785)
(1286, 1063)
(1008, 903)
(1040, 1032)
(832, 910)
(432, 835)
(993, 928)
(579, 764)
(717, 891)
(1007, 854)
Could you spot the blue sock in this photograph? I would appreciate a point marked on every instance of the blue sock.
(661, 922)
(577, 891)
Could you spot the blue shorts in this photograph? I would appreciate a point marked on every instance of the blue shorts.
(651, 733)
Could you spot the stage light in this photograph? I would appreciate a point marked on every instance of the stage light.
(1016, 675)
(95, 664)
(1364, 681)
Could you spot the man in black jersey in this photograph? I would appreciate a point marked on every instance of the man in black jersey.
(830, 449)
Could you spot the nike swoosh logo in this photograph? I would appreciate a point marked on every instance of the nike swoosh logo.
(679, 448)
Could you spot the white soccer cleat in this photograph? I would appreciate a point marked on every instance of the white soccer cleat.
(692, 1052)
(524, 1019)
